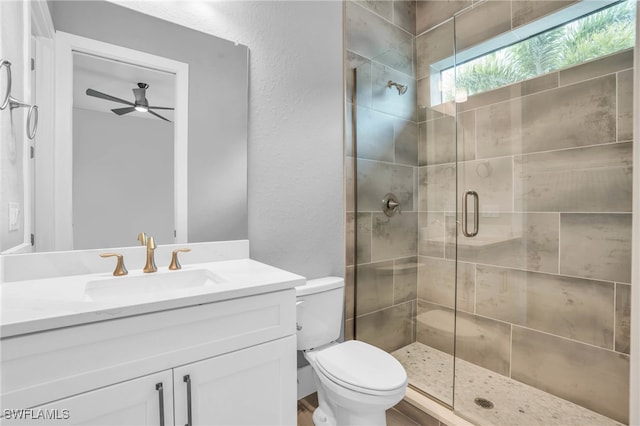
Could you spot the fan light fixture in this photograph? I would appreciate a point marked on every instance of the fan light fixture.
(141, 103)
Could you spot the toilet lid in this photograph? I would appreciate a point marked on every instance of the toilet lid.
(358, 365)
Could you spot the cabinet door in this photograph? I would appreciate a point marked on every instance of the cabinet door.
(135, 402)
(253, 386)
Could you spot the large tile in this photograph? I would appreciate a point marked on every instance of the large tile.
(571, 307)
(439, 139)
(625, 105)
(437, 283)
(590, 179)
(363, 237)
(598, 67)
(526, 241)
(432, 47)
(431, 231)
(358, 76)
(350, 238)
(404, 14)
(388, 329)
(374, 289)
(383, 8)
(406, 142)
(374, 135)
(437, 188)
(596, 246)
(394, 237)
(595, 378)
(495, 16)
(515, 90)
(371, 36)
(492, 179)
(350, 183)
(525, 11)
(484, 342)
(388, 99)
(623, 318)
(577, 115)
(349, 326)
(433, 12)
(375, 179)
(405, 279)
(435, 325)
(349, 292)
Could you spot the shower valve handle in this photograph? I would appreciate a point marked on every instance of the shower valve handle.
(390, 205)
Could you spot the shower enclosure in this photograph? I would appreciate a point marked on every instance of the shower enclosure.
(489, 199)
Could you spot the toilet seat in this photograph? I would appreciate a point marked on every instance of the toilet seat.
(343, 364)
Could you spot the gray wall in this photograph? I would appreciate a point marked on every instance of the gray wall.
(112, 200)
(217, 106)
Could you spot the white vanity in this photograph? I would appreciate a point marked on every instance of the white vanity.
(212, 344)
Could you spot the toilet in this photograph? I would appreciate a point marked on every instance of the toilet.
(356, 382)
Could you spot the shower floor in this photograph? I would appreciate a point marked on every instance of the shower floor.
(515, 403)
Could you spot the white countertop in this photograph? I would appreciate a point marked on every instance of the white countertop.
(38, 305)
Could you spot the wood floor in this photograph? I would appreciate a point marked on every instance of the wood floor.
(308, 404)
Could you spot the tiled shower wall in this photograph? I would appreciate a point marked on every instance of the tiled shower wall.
(544, 290)
(380, 47)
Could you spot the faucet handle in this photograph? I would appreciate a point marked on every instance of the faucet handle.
(175, 265)
(142, 237)
(120, 268)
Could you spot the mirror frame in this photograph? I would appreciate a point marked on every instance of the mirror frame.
(62, 187)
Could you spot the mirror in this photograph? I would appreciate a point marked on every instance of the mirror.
(213, 203)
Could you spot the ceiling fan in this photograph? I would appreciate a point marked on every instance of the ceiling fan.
(141, 103)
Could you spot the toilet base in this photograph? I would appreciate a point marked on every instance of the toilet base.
(320, 418)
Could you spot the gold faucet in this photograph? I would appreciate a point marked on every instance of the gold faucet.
(151, 261)
(120, 268)
(175, 264)
(142, 237)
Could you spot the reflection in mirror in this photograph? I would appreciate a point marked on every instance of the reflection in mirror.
(109, 208)
(215, 195)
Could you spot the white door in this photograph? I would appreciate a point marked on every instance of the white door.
(135, 402)
(253, 386)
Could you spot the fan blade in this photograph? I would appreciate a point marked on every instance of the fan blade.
(158, 115)
(101, 95)
(122, 111)
(156, 107)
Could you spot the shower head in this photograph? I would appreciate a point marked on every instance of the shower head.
(402, 89)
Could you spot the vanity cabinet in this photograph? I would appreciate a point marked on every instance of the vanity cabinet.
(134, 402)
(238, 355)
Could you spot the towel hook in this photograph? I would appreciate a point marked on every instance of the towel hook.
(32, 115)
(7, 66)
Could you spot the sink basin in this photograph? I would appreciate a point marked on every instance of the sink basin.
(141, 286)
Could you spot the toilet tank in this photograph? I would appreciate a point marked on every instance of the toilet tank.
(319, 307)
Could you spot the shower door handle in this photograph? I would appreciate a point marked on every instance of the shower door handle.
(476, 214)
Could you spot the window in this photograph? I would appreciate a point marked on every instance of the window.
(599, 34)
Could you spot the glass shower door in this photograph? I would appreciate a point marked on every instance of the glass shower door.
(404, 285)
(541, 335)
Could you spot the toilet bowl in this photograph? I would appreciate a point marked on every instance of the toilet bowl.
(356, 382)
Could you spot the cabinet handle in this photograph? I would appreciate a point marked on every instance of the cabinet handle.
(160, 390)
(187, 380)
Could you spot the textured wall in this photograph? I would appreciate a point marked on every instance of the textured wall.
(295, 182)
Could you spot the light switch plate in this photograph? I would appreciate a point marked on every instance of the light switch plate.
(14, 216)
